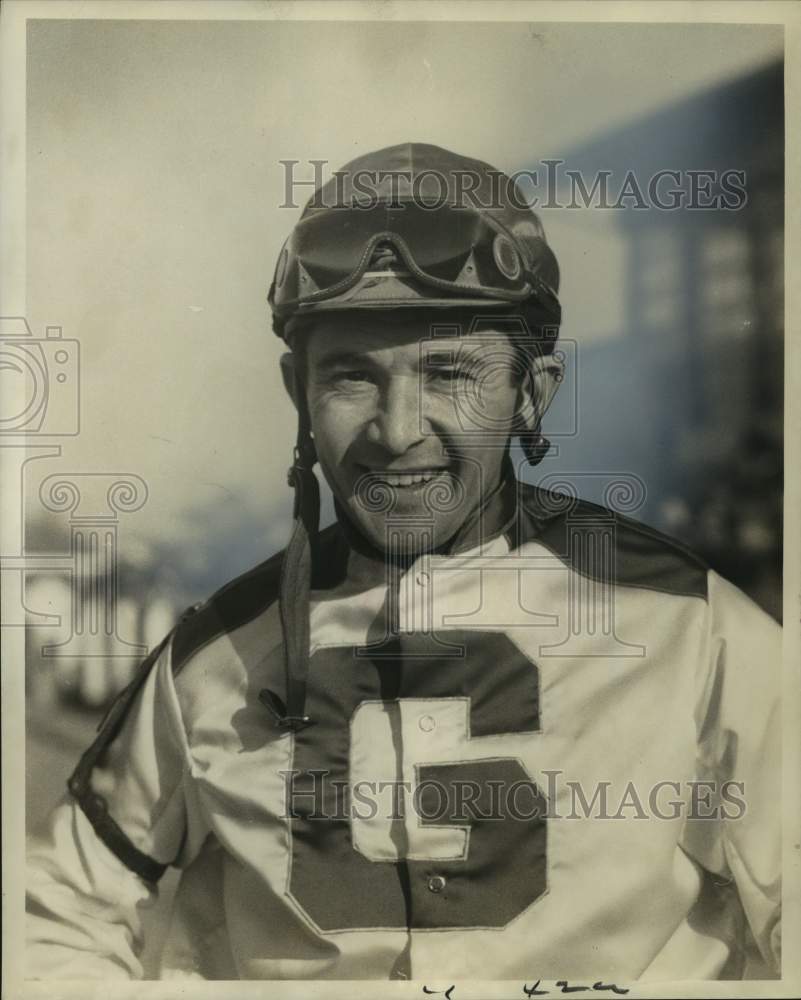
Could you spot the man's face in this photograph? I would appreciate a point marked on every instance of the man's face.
(410, 430)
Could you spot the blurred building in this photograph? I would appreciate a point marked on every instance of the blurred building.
(688, 393)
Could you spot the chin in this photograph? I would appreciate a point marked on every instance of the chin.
(404, 534)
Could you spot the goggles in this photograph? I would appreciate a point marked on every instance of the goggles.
(460, 252)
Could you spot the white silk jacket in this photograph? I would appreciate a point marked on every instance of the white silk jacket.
(603, 707)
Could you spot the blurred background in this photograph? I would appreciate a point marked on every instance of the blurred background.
(154, 193)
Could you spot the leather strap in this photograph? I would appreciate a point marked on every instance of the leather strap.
(92, 804)
(296, 575)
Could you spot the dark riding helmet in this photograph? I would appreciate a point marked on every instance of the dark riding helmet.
(417, 226)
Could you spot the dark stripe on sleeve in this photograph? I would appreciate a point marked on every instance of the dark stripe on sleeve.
(644, 557)
(94, 806)
(246, 597)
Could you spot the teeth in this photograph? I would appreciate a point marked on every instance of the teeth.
(408, 478)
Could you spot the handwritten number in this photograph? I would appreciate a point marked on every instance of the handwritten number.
(534, 990)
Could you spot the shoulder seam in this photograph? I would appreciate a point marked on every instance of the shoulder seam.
(637, 526)
(678, 573)
(667, 540)
(631, 586)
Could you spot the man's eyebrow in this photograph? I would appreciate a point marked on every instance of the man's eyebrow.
(338, 359)
(437, 358)
(456, 356)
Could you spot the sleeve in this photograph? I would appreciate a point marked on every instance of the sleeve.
(108, 841)
(739, 760)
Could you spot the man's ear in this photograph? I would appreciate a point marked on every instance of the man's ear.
(289, 366)
(537, 391)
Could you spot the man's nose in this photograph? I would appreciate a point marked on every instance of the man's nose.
(397, 424)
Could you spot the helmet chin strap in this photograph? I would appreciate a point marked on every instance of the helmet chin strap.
(296, 575)
(535, 446)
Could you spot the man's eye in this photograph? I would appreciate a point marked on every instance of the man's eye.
(452, 375)
(354, 375)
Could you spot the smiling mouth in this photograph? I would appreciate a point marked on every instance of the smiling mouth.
(405, 479)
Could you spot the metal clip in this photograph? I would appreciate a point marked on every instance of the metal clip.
(276, 708)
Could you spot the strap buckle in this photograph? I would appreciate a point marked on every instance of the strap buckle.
(276, 707)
